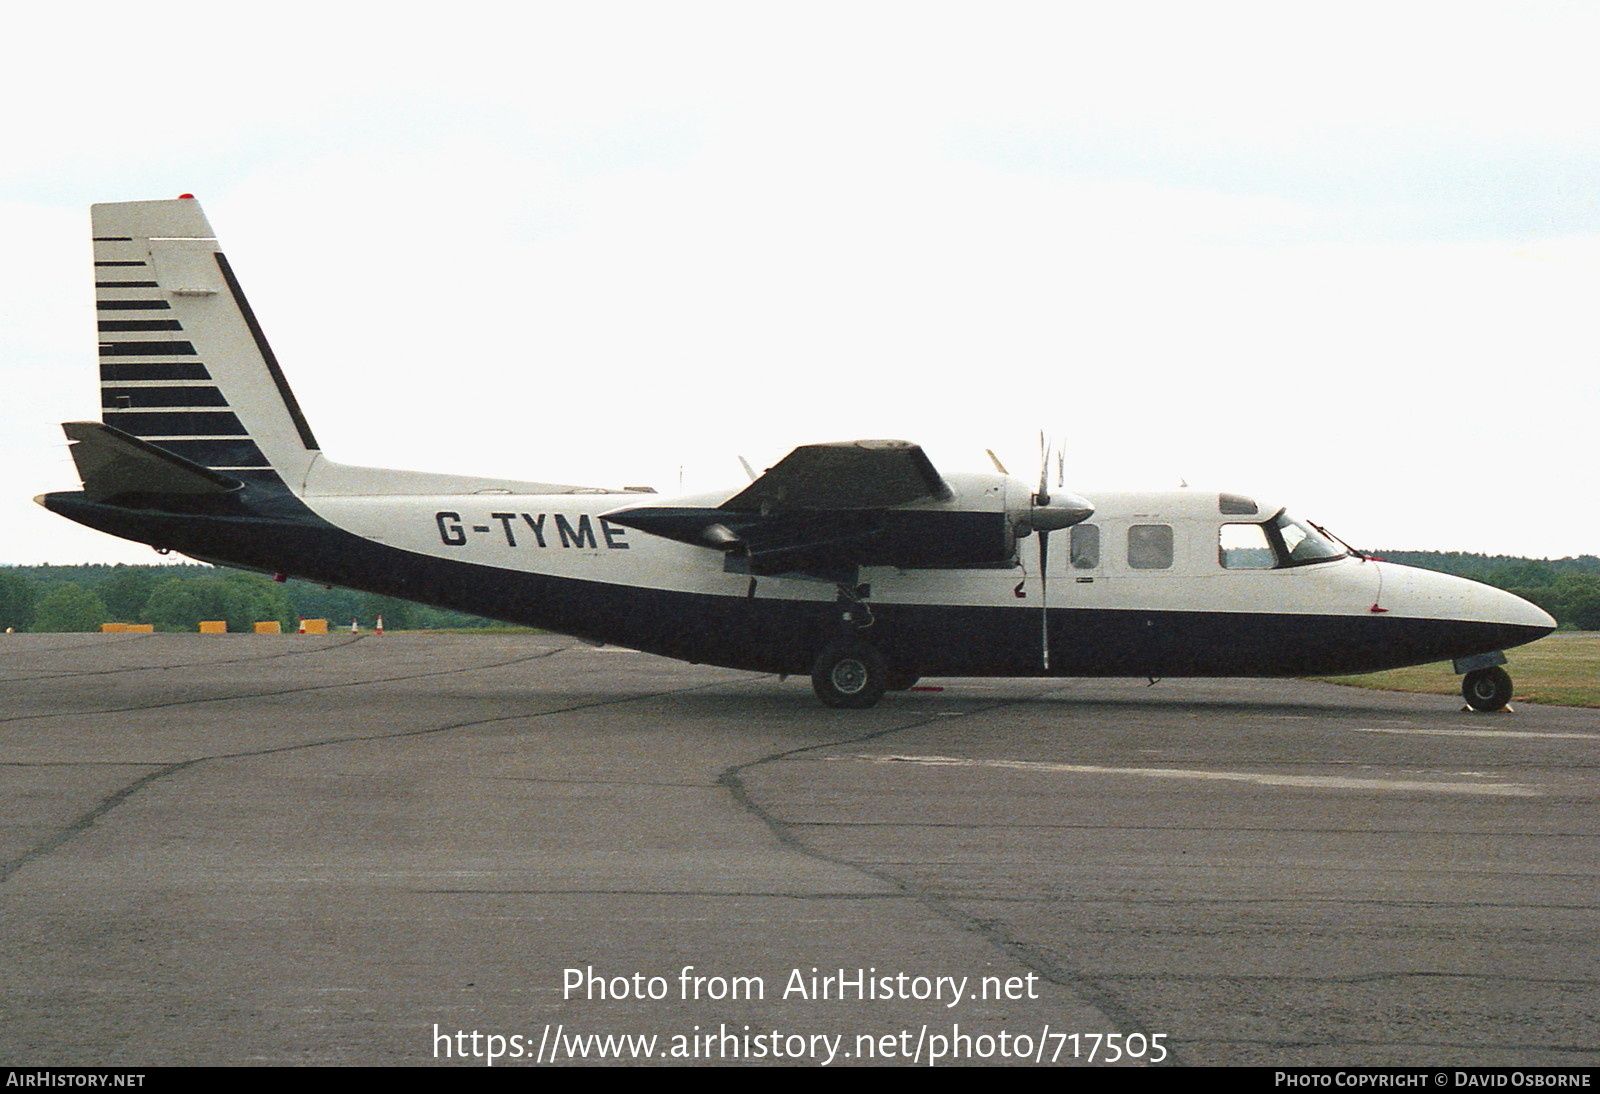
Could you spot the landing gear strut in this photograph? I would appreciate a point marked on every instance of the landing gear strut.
(1487, 689)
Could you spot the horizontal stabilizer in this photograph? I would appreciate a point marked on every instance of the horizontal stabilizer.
(112, 463)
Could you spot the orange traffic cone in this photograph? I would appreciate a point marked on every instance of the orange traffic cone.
(353, 628)
(302, 629)
(379, 629)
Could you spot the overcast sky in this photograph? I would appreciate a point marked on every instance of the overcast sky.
(1345, 257)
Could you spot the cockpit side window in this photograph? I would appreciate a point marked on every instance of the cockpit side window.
(1245, 547)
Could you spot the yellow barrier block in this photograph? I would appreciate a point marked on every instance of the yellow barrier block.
(113, 628)
(141, 628)
(313, 626)
(272, 626)
(213, 626)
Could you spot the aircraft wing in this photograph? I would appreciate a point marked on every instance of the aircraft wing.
(843, 475)
(826, 509)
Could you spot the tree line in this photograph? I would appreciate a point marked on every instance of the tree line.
(177, 598)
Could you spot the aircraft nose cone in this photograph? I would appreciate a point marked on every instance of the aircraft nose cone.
(1492, 605)
(1523, 613)
(1425, 594)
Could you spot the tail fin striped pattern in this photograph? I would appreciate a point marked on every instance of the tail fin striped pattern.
(183, 363)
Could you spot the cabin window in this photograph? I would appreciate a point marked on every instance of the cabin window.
(1245, 547)
(1150, 547)
(1085, 547)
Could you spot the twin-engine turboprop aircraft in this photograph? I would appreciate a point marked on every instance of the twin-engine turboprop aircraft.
(858, 562)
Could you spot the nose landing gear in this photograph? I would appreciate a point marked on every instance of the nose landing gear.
(1487, 689)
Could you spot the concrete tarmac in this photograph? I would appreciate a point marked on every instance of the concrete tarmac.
(242, 849)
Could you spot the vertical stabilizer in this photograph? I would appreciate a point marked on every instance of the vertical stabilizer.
(184, 365)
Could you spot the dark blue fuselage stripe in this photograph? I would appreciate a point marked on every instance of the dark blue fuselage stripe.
(278, 533)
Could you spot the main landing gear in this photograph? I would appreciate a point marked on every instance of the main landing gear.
(850, 674)
(1487, 689)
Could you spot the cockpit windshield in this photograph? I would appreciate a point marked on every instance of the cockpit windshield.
(1300, 543)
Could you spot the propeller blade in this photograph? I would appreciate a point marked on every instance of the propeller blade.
(1043, 496)
(1044, 595)
(1048, 514)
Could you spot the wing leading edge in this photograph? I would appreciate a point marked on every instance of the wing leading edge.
(826, 509)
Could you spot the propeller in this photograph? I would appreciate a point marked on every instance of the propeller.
(1048, 513)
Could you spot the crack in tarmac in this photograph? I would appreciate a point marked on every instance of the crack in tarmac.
(1091, 990)
(86, 820)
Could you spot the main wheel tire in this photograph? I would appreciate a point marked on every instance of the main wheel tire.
(852, 675)
(1487, 689)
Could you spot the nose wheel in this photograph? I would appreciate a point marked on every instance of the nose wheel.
(1487, 689)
